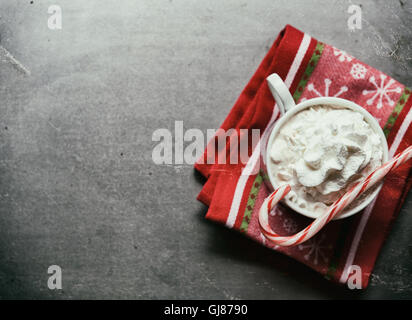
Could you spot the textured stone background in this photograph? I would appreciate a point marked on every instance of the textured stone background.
(78, 187)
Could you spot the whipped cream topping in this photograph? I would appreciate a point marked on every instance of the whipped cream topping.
(321, 152)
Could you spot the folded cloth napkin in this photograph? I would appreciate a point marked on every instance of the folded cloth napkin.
(235, 192)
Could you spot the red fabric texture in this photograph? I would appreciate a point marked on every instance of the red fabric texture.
(312, 69)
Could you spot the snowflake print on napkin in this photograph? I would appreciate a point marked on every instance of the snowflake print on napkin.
(382, 92)
(341, 75)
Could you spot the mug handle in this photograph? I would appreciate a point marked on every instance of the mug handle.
(281, 93)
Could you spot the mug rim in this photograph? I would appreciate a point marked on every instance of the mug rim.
(340, 103)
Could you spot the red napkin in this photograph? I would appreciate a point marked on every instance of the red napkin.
(234, 193)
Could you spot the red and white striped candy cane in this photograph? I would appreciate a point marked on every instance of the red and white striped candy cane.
(334, 209)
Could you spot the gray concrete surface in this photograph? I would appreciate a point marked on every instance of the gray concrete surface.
(78, 187)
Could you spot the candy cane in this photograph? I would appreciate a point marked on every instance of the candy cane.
(337, 207)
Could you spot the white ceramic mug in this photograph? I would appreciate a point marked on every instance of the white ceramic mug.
(288, 109)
